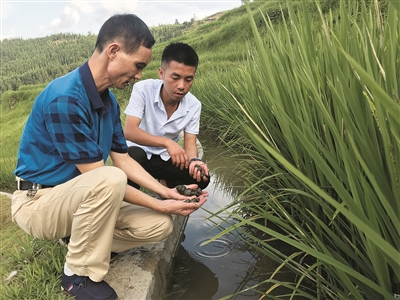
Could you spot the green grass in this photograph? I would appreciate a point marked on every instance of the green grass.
(38, 264)
(14, 110)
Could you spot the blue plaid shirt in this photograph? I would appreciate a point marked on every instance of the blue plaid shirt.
(70, 123)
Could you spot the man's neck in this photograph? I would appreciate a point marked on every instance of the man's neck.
(98, 67)
(170, 107)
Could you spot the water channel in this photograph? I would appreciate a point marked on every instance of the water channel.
(227, 265)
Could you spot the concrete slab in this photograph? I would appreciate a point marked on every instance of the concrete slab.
(140, 273)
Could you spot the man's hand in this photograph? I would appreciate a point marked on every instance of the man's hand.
(178, 206)
(178, 155)
(174, 194)
(199, 171)
(182, 208)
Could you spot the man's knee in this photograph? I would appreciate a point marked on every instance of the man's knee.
(111, 181)
(114, 177)
(138, 154)
(168, 226)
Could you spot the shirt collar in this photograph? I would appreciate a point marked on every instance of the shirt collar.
(100, 102)
(157, 96)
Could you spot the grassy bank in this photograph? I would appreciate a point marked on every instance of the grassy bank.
(30, 268)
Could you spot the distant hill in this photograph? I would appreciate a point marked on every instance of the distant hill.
(220, 39)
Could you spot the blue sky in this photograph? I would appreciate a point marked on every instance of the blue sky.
(38, 18)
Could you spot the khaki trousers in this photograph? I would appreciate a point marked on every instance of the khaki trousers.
(90, 209)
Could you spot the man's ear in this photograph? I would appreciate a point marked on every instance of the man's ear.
(160, 73)
(112, 50)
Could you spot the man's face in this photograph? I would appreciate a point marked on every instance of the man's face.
(126, 68)
(178, 79)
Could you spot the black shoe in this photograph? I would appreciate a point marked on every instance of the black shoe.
(113, 256)
(65, 241)
(83, 288)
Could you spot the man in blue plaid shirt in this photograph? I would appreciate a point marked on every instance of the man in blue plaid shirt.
(63, 187)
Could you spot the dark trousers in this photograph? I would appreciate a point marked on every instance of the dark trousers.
(160, 169)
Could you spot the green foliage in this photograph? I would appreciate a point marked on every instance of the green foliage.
(37, 61)
(15, 108)
(38, 265)
(313, 115)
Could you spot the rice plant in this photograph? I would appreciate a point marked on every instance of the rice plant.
(314, 114)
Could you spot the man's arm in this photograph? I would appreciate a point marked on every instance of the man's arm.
(134, 172)
(137, 174)
(192, 151)
(190, 146)
(83, 168)
(133, 133)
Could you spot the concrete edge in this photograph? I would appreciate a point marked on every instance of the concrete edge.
(141, 273)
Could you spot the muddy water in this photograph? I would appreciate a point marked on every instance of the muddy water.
(227, 265)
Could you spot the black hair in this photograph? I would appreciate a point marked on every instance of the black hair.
(128, 29)
(181, 53)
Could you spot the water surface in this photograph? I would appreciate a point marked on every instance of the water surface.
(227, 265)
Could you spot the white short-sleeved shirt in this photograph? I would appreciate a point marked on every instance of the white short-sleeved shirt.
(146, 104)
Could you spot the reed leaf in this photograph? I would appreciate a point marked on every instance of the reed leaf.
(315, 116)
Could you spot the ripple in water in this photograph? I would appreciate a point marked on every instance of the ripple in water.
(215, 249)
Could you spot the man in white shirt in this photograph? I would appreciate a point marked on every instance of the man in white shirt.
(158, 111)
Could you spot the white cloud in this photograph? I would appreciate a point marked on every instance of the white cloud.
(35, 18)
(70, 16)
(106, 9)
(76, 10)
(55, 23)
(82, 6)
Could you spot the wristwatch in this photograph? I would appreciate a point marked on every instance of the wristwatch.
(194, 159)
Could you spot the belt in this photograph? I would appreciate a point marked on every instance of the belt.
(27, 185)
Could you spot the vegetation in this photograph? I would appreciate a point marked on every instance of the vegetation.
(317, 133)
(30, 268)
(37, 61)
(310, 106)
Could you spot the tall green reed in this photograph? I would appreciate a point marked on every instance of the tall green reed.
(315, 117)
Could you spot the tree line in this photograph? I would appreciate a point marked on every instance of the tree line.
(39, 60)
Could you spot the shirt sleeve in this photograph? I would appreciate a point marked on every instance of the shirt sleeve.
(193, 127)
(118, 141)
(136, 105)
(69, 127)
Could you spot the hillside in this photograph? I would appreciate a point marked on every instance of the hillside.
(219, 39)
(39, 60)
